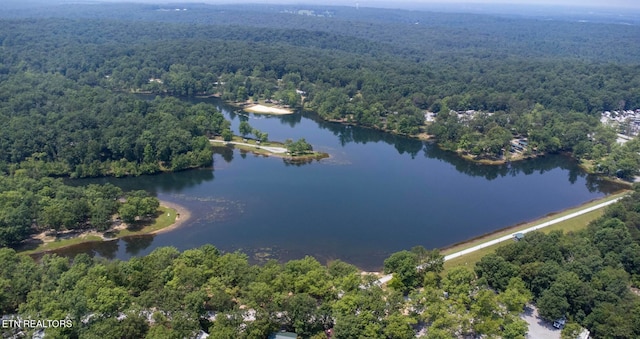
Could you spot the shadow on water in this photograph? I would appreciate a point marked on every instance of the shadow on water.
(360, 135)
(133, 245)
(539, 165)
(225, 152)
(105, 249)
(353, 134)
(165, 182)
(291, 119)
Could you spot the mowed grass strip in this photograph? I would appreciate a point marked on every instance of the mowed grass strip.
(570, 225)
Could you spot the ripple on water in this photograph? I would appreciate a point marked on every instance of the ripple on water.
(213, 209)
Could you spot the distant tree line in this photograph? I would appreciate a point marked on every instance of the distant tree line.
(372, 74)
(461, 75)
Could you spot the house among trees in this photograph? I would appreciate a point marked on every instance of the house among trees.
(518, 236)
(519, 145)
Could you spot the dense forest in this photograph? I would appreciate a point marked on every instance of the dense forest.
(169, 294)
(31, 204)
(58, 127)
(546, 81)
(67, 74)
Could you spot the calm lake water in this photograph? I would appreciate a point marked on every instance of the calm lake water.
(376, 195)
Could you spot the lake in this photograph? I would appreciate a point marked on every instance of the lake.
(377, 194)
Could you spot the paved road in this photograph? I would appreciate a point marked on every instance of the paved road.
(388, 277)
(271, 149)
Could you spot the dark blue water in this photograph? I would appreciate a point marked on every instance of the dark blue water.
(377, 194)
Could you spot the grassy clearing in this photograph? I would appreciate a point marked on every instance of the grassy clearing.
(254, 146)
(472, 258)
(571, 225)
(253, 149)
(165, 217)
(509, 230)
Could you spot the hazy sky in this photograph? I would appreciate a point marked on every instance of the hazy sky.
(392, 3)
(571, 3)
(582, 3)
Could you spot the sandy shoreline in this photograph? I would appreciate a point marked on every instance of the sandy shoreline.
(262, 109)
(182, 215)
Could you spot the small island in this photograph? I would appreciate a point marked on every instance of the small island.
(299, 151)
(291, 151)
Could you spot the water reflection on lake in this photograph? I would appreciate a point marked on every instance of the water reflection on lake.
(377, 194)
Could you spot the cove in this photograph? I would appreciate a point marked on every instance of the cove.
(377, 194)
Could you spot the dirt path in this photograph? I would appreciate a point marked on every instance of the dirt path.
(272, 149)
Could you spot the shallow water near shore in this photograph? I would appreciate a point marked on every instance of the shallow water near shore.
(377, 194)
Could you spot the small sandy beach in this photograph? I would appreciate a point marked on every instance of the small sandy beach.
(182, 216)
(262, 109)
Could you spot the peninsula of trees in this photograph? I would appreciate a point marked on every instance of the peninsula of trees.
(33, 204)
